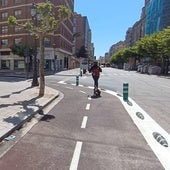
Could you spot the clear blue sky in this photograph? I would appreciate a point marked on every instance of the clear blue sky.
(109, 20)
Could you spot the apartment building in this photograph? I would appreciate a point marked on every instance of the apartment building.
(58, 47)
(154, 17)
(83, 35)
(116, 47)
(157, 15)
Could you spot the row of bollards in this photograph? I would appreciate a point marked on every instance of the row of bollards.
(125, 89)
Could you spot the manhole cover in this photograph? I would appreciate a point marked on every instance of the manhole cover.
(140, 115)
(159, 138)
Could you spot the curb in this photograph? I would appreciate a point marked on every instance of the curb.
(28, 118)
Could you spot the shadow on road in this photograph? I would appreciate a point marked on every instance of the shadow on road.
(47, 118)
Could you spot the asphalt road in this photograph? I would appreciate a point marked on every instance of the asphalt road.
(82, 133)
(151, 92)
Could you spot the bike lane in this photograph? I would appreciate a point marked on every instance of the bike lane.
(82, 133)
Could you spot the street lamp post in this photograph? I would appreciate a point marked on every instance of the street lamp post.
(35, 19)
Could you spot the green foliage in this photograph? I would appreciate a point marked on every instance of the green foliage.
(149, 46)
(28, 26)
(45, 24)
(154, 47)
(20, 50)
(64, 12)
(164, 45)
(123, 55)
(12, 20)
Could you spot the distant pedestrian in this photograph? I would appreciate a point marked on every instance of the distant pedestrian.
(95, 70)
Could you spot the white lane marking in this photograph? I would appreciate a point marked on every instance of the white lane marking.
(82, 91)
(90, 87)
(62, 82)
(147, 127)
(84, 122)
(89, 97)
(88, 106)
(76, 156)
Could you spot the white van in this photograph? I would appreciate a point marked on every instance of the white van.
(84, 65)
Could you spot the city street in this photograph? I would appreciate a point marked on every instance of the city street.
(82, 133)
(151, 92)
(85, 89)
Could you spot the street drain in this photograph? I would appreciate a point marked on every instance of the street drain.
(159, 138)
(129, 103)
(140, 115)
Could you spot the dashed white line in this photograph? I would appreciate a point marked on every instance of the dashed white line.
(84, 122)
(76, 156)
(62, 82)
(90, 87)
(89, 97)
(161, 152)
(88, 106)
(82, 91)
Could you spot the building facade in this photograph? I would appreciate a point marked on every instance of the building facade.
(116, 47)
(58, 46)
(83, 35)
(157, 16)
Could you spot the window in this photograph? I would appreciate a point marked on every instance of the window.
(74, 29)
(5, 64)
(47, 42)
(4, 15)
(4, 29)
(17, 29)
(18, 64)
(17, 1)
(3, 2)
(5, 52)
(74, 20)
(18, 41)
(4, 42)
(18, 13)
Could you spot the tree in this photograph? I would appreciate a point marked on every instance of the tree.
(83, 52)
(118, 57)
(19, 49)
(46, 26)
(148, 47)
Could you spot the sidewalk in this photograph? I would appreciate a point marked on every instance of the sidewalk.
(19, 102)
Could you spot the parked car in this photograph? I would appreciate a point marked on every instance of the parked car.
(154, 70)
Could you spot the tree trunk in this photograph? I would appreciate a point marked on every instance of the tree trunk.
(41, 68)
